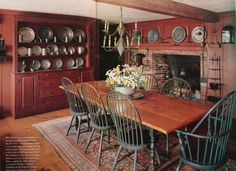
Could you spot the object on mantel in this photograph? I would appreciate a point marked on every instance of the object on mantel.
(3, 56)
(213, 45)
(228, 34)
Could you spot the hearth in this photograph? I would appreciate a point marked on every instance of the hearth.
(186, 67)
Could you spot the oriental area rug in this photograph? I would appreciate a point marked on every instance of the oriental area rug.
(54, 131)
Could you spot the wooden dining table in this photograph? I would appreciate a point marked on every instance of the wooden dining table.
(160, 112)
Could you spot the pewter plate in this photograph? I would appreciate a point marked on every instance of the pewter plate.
(153, 35)
(198, 34)
(178, 34)
(57, 63)
(52, 49)
(71, 50)
(22, 51)
(80, 50)
(79, 36)
(35, 65)
(45, 33)
(65, 32)
(62, 50)
(45, 64)
(27, 34)
(70, 63)
(36, 50)
(79, 62)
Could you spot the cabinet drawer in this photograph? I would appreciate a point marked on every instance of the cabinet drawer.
(51, 91)
(53, 103)
(57, 75)
(55, 82)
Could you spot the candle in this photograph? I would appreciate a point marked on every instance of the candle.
(115, 41)
(104, 41)
(135, 26)
(80, 38)
(109, 41)
(132, 39)
(127, 41)
(108, 26)
(105, 25)
(138, 41)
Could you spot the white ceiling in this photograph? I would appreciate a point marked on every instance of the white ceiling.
(90, 8)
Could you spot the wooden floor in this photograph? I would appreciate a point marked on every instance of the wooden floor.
(49, 159)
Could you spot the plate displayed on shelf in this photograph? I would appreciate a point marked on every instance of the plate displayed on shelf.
(45, 33)
(57, 63)
(71, 50)
(52, 49)
(35, 65)
(21, 66)
(80, 50)
(62, 50)
(26, 34)
(198, 34)
(45, 64)
(153, 35)
(70, 63)
(66, 34)
(79, 36)
(22, 51)
(79, 62)
(36, 50)
(178, 34)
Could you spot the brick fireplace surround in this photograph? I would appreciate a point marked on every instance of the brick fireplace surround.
(152, 57)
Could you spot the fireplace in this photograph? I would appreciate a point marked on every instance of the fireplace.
(188, 65)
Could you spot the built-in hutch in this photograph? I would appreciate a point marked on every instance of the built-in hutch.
(43, 48)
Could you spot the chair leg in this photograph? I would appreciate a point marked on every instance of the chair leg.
(135, 159)
(70, 125)
(78, 129)
(89, 140)
(109, 136)
(227, 167)
(88, 122)
(157, 156)
(100, 148)
(178, 167)
(167, 146)
(116, 158)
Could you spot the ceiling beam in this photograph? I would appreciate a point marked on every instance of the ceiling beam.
(167, 7)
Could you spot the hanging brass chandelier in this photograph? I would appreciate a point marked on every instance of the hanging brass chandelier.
(120, 39)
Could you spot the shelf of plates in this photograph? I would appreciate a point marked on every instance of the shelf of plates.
(43, 48)
(172, 34)
(47, 46)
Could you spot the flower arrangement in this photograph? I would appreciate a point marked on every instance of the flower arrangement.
(122, 76)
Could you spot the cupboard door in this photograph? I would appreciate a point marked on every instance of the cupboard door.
(27, 92)
(87, 75)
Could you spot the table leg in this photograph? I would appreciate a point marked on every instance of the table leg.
(151, 134)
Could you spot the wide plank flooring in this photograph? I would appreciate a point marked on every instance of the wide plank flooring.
(49, 159)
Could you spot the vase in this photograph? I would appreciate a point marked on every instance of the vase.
(125, 90)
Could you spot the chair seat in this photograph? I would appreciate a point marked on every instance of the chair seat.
(102, 124)
(79, 109)
(135, 143)
(198, 165)
(208, 154)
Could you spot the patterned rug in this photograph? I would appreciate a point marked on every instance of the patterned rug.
(73, 154)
